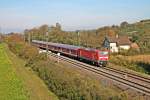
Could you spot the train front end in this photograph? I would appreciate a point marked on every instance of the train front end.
(103, 58)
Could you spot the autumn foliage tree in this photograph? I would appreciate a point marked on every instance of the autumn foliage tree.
(18, 46)
(111, 33)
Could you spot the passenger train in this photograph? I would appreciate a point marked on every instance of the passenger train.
(95, 56)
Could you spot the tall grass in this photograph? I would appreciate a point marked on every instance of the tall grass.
(139, 63)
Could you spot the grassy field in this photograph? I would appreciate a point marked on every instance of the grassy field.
(11, 87)
(139, 58)
(139, 63)
(27, 85)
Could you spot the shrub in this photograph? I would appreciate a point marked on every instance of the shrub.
(133, 52)
(69, 84)
(29, 52)
(20, 48)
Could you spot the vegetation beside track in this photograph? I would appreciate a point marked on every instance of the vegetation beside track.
(11, 87)
(139, 63)
(65, 83)
(36, 88)
(69, 84)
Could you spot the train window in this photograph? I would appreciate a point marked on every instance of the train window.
(72, 51)
(103, 52)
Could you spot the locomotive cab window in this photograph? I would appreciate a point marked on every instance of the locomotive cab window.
(103, 53)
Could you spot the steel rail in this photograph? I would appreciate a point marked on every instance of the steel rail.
(129, 74)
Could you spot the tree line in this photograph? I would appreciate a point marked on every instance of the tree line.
(138, 32)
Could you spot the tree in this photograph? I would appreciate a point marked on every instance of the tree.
(135, 38)
(43, 28)
(111, 33)
(58, 26)
(124, 24)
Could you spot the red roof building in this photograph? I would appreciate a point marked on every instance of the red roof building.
(117, 43)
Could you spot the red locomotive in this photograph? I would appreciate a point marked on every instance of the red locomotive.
(97, 57)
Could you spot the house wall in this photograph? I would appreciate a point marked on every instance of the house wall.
(113, 47)
(126, 47)
(106, 43)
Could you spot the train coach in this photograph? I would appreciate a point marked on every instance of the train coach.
(65, 49)
(97, 57)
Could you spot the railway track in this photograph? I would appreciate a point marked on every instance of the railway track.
(145, 80)
(133, 81)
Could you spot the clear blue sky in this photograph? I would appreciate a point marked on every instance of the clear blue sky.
(16, 15)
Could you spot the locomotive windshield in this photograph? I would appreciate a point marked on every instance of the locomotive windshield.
(103, 52)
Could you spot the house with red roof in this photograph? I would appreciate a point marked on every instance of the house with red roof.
(114, 44)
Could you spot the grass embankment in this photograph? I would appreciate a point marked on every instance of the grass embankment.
(11, 87)
(36, 88)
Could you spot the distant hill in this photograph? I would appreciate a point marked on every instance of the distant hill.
(139, 32)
